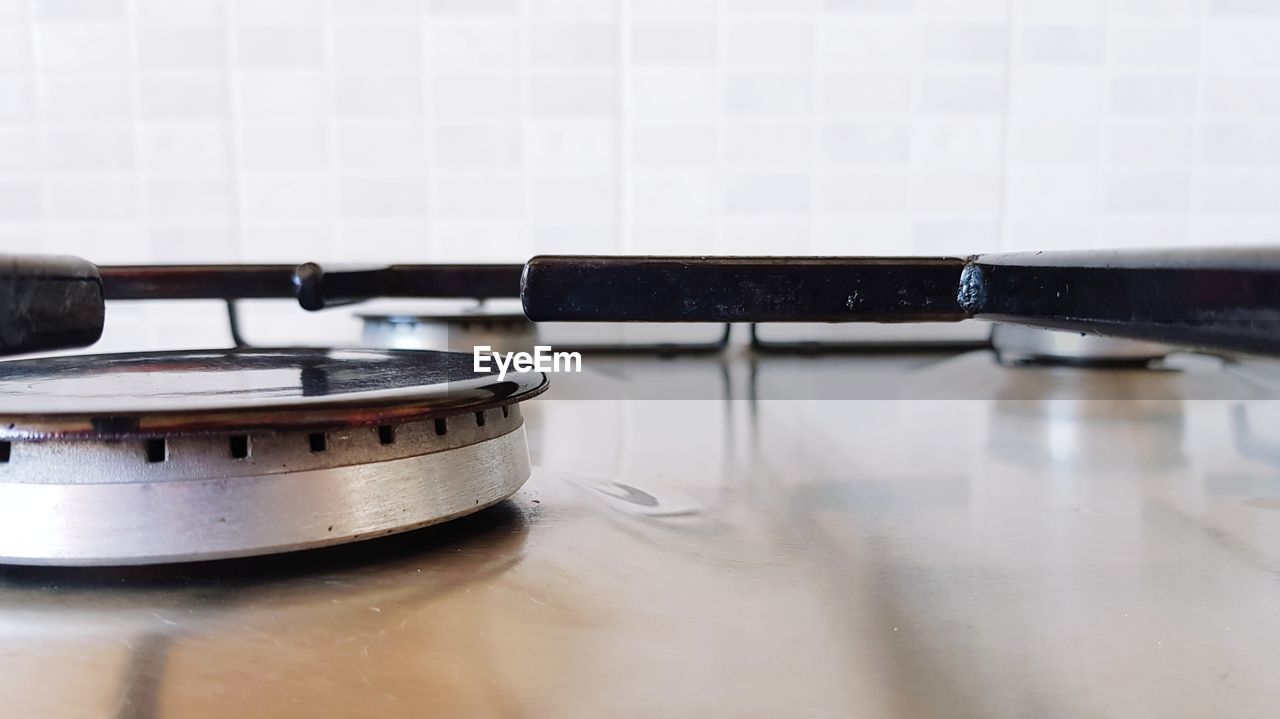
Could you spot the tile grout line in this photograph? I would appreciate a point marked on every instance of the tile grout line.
(912, 168)
(235, 140)
(332, 141)
(719, 183)
(1008, 134)
(1102, 164)
(1197, 118)
(141, 190)
(817, 111)
(624, 149)
(426, 26)
(40, 126)
(528, 175)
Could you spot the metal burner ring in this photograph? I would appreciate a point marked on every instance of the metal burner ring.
(198, 497)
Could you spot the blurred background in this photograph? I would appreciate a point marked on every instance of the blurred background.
(135, 131)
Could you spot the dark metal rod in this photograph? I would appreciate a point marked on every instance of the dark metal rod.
(1227, 299)
(1220, 299)
(312, 285)
(317, 288)
(921, 346)
(742, 289)
(233, 324)
(193, 282)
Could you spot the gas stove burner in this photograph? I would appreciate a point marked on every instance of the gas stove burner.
(181, 456)
(456, 331)
(1018, 345)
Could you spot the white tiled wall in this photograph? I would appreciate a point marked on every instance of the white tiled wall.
(429, 130)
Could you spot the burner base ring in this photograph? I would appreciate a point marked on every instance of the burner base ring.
(131, 523)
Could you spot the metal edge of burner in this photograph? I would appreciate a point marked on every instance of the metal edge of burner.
(187, 520)
(348, 412)
(194, 456)
(1016, 344)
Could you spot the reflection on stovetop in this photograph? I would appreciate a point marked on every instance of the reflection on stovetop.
(739, 373)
